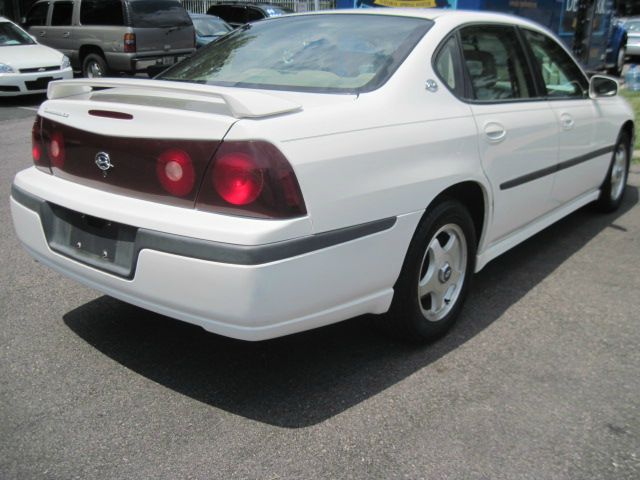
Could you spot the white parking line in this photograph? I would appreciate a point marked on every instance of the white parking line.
(35, 109)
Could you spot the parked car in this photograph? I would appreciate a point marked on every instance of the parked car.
(102, 37)
(25, 66)
(237, 14)
(208, 28)
(308, 169)
(632, 26)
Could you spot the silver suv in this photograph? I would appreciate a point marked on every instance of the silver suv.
(107, 36)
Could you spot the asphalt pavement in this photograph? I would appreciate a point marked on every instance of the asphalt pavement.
(539, 379)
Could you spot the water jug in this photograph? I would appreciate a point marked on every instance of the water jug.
(632, 78)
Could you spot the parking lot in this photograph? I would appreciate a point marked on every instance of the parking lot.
(538, 380)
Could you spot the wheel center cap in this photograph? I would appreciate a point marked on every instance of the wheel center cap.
(445, 273)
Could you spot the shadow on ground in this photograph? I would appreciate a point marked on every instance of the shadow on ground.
(303, 379)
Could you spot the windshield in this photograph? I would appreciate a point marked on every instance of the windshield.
(12, 35)
(342, 53)
(210, 27)
(158, 13)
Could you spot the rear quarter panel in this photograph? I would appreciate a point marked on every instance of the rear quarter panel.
(389, 152)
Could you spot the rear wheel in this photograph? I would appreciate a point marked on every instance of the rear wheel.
(436, 274)
(612, 190)
(617, 68)
(94, 66)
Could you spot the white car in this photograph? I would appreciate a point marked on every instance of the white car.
(308, 169)
(26, 66)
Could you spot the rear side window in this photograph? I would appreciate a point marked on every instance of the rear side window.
(158, 13)
(37, 16)
(61, 14)
(101, 12)
(561, 76)
(495, 63)
(447, 65)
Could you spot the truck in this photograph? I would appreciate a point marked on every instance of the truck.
(587, 27)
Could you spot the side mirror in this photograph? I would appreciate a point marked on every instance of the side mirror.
(602, 86)
(23, 20)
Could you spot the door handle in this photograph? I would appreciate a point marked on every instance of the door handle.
(42, 33)
(66, 34)
(566, 121)
(495, 132)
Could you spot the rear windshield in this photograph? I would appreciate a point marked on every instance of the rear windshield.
(12, 35)
(341, 53)
(158, 13)
(210, 27)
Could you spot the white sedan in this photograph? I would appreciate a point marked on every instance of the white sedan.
(25, 65)
(311, 168)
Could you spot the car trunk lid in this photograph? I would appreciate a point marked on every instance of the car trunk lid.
(147, 139)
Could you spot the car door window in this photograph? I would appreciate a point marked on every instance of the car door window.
(447, 65)
(561, 76)
(37, 16)
(61, 14)
(494, 61)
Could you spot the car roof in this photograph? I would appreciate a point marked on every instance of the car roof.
(436, 14)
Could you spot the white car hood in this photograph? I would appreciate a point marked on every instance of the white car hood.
(30, 56)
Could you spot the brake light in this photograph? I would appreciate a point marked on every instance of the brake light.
(237, 178)
(129, 42)
(251, 178)
(175, 172)
(56, 149)
(37, 148)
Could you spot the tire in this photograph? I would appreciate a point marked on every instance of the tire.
(428, 293)
(616, 70)
(94, 66)
(612, 190)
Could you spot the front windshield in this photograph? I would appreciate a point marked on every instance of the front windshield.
(210, 27)
(11, 35)
(341, 53)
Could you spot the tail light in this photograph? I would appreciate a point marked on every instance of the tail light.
(251, 178)
(56, 149)
(37, 147)
(175, 172)
(129, 42)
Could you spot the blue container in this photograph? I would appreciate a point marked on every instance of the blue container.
(632, 78)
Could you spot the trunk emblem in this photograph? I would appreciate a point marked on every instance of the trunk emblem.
(103, 161)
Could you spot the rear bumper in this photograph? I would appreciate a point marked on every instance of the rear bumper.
(261, 292)
(140, 62)
(12, 84)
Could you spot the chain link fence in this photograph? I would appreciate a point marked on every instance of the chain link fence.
(201, 6)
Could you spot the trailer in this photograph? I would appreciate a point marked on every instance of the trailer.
(587, 27)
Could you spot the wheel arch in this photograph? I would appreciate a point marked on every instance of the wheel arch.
(86, 50)
(629, 128)
(475, 197)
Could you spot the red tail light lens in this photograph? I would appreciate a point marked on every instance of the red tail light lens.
(175, 172)
(37, 148)
(251, 178)
(237, 178)
(56, 149)
(129, 42)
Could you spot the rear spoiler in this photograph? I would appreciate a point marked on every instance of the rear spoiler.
(242, 103)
